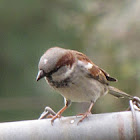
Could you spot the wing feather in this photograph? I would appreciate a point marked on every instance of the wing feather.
(94, 71)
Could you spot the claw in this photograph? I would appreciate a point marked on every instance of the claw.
(52, 121)
(58, 115)
(55, 117)
(84, 116)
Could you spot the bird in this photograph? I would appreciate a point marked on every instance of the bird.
(76, 78)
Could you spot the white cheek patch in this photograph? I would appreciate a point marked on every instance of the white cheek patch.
(45, 61)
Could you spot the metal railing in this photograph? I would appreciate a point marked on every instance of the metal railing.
(109, 126)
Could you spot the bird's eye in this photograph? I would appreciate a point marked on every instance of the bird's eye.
(52, 71)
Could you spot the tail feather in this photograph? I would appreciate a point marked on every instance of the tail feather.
(118, 93)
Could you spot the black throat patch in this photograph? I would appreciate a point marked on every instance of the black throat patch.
(58, 84)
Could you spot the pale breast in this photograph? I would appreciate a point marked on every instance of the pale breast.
(81, 88)
(77, 85)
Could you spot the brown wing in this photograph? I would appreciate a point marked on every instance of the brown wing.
(95, 72)
(108, 77)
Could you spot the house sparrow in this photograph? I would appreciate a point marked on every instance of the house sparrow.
(76, 78)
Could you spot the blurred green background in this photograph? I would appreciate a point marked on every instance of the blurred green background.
(107, 31)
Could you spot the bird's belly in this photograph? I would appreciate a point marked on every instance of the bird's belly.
(83, 89)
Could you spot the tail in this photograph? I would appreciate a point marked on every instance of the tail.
(118, 93)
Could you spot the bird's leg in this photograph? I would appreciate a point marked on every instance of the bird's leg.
(48, 113)
(58, 114)
(86, 113)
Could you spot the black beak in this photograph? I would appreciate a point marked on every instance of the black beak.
(40, 75)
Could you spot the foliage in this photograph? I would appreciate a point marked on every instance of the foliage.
(107, 31)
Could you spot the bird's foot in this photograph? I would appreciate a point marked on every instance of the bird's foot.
(55, 117)
(84, 115)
